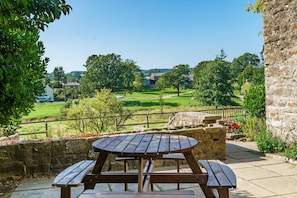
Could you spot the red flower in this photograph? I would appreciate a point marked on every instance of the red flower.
(235, 126)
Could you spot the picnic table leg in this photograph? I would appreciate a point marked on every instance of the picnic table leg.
(223, 192)
(177, 167)
(140, 174)
(97, 169)
(196, 169)
(126, 170)
(65, 192)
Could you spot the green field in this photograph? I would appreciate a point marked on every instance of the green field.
(142, 102)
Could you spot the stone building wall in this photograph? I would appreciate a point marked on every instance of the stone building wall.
(49, 157)
(280, 57)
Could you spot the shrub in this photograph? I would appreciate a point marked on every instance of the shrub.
(252, 126)
(254, 101)
(267, 143)
(103, 109)
(291, 152)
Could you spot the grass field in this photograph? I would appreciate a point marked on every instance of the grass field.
(143, 102)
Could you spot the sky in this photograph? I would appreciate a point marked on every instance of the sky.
(153, 33)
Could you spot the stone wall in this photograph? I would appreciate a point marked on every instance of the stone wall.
(280, 55)
(49, 157)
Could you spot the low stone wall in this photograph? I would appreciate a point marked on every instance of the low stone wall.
(49, 157)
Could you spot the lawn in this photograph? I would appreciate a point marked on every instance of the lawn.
(142, 103)
(46, 110)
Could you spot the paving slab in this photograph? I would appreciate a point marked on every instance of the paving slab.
(278, 185)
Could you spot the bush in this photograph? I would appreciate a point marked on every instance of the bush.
(254, 101)
(267, 143)
(252, 126)
(291, 152)
(103, 109)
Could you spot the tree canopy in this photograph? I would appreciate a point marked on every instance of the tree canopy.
(110, 72)
(240, 63)
(214, 83)
(178, 77)
(22, 67)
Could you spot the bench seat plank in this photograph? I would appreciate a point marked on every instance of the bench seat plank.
(73, 175)
(219, 175)
(171, 194)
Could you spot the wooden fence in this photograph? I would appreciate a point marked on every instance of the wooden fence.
(149, 120)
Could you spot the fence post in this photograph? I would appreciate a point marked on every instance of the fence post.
(46, 129)
(116, 123)
(147, 121)
(223, 112)
(83, 125)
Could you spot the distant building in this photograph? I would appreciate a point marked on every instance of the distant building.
(47, 96)
(154, 78)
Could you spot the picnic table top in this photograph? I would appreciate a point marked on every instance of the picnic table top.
(149, 145)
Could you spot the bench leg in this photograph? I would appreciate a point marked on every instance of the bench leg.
(126, 170)
(223, 192)
(177, 167)
(65, 192)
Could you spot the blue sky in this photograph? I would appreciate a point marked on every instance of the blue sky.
(153, 33)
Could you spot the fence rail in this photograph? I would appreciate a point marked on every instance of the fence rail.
(149, 120)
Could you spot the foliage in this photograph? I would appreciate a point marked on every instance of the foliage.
(291, 151)
(252, 75)
(239, 64)
(256, 7)
(104, 106)
(110, 72)
(11, 128)
(197, 72)
(22, 68)
(234, 124)
(177, 78)
(138, 82)
(59, 77)
(214, 85)
(246, 75)
(254, 101)
(267, 143)
(258, 77)
(252, 126)
(245, 87)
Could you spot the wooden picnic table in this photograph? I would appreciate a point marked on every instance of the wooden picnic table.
(146, 147)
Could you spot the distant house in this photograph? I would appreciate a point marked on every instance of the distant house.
(154, 78)
(47, 96)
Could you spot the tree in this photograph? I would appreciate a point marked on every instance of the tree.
(110, 72)
(178, 77)
(254, 101)
(22, 68)
(100, 110)
(214, 83)
(59, 77)
(197, 72)
(240, 63)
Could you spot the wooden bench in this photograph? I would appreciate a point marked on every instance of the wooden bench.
(73, 176)
(171, 194)
(220, 177)
(174, 156)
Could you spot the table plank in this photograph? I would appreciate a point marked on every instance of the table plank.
(101, 143)
(184, 142)
(154, 144)
(124, 143)
(143, 145)
(133, 144)
(174, 143)
(164, 143)
(116, 140)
